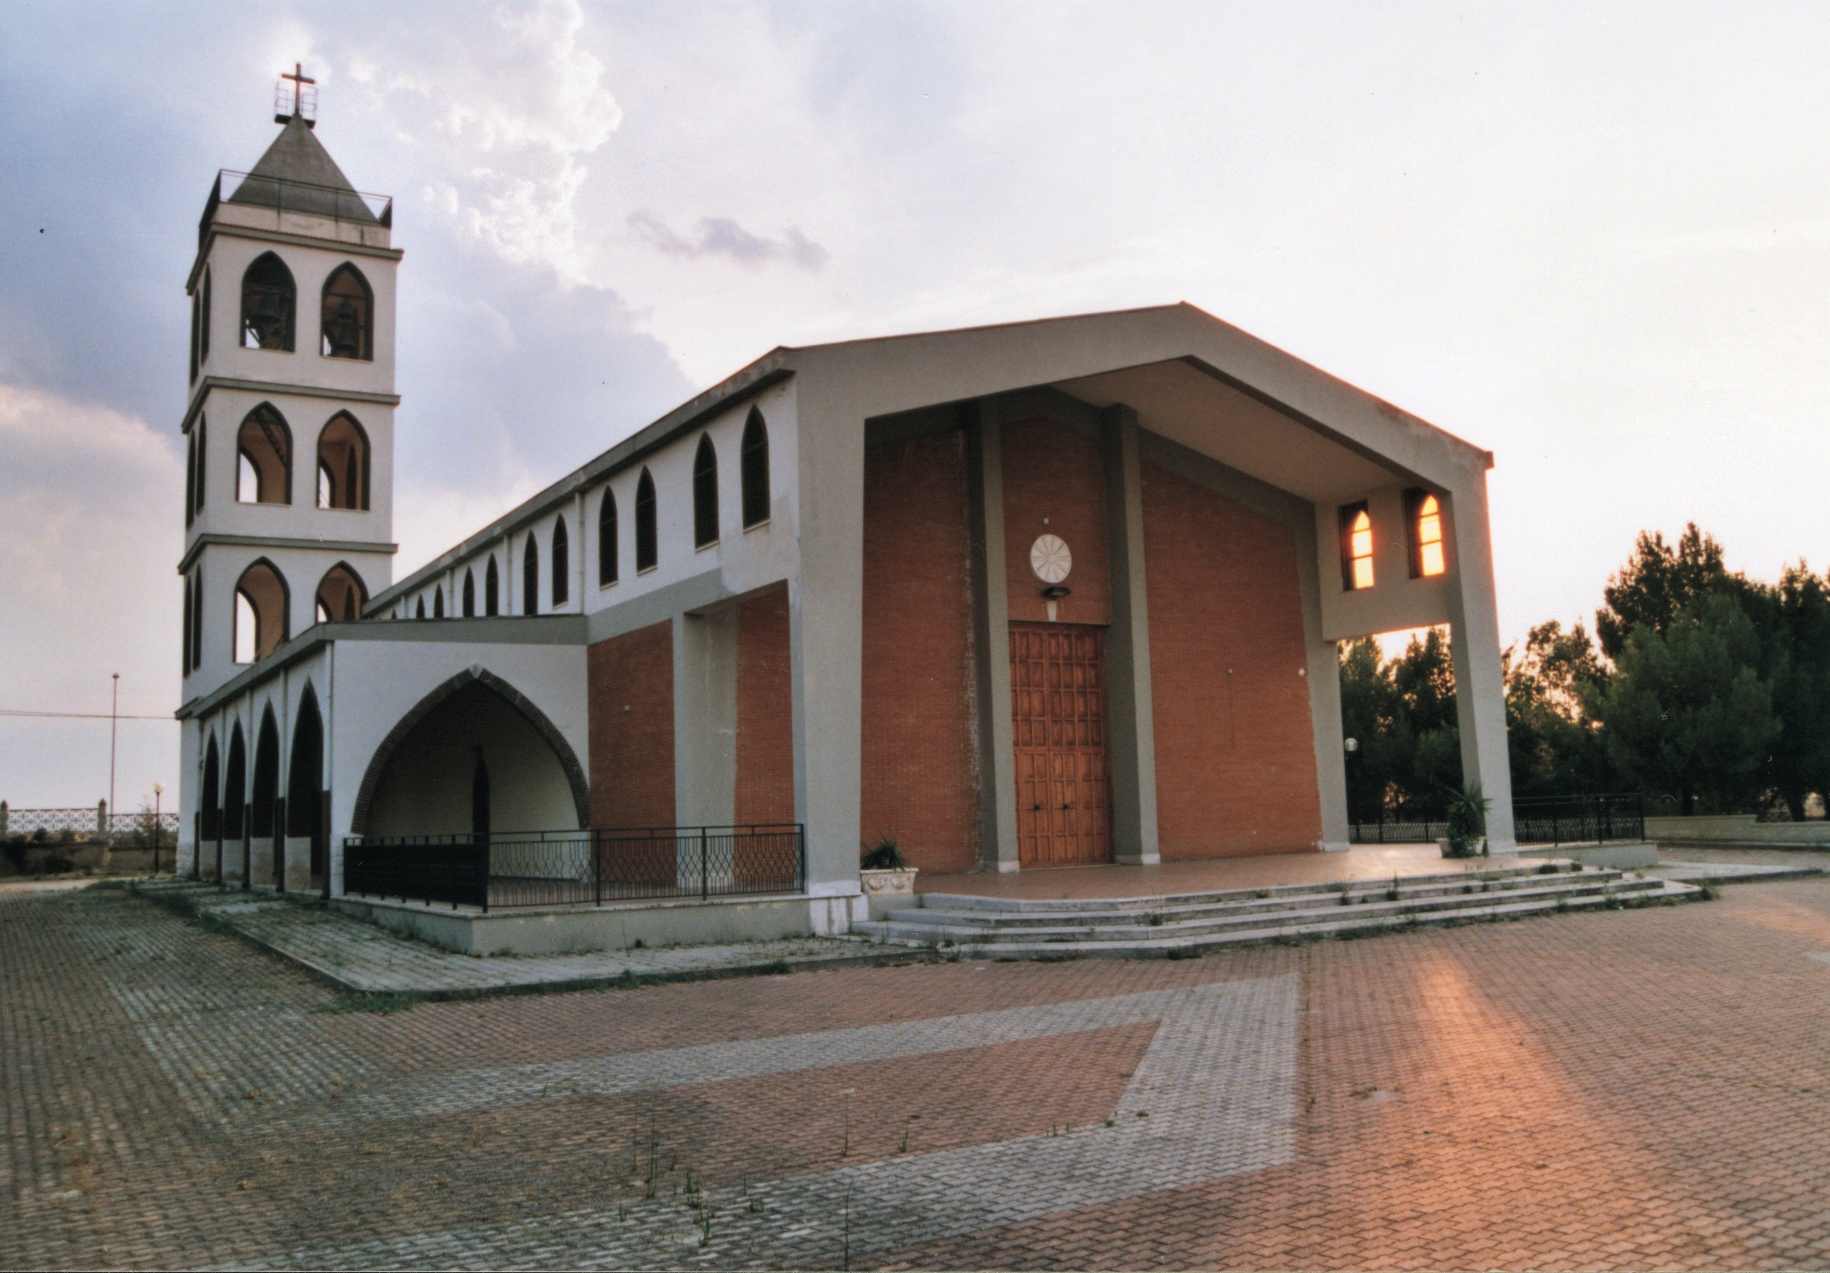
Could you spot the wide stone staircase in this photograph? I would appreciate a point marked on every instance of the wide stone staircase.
(1190, 924)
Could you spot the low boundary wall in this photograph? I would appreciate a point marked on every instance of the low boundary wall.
(1737, 831)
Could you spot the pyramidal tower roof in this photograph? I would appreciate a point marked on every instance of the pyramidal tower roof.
(298, 175)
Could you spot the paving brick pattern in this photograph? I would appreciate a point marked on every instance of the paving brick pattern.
(1638, 1089)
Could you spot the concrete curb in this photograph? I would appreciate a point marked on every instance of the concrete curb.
(872, 956)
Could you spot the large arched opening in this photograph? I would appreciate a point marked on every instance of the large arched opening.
(305, 795)
(425, 778)
(209, 831)
(262, 606)
(235, 806)
(263, 806)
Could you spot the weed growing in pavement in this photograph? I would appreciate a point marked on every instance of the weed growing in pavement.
(359, 1001)
(1391, 894)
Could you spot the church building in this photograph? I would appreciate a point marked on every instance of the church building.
(1023, 597)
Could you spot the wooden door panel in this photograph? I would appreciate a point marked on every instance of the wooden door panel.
(1058, 711)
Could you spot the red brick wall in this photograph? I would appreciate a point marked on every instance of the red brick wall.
(1053, 473)
(920, 775)
(765, 710)
(631, 686)
(1235, 753)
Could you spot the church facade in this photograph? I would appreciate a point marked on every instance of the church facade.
(1025, 596)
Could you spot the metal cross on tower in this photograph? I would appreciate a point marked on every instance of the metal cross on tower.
(288, 102)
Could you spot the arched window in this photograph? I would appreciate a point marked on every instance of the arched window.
(305, 778)
(190, 479)
(202, 460)
(1423, 533)
(341, 595)
(562, 587)
(705, 493)
(196, 330)
(235, 789)
(267, 305)
(197, 622)
(470, 593)
(186, 659)
(203, 328)
(266, 777)
(260, 612)
(530, 576)
(348, 315)
(264, 458)
(606, 539)
(420, 611)
(754, 463)
(438, 602)
(343, 464)
(490, 590)
(212, 793)
(647, 538)
(1356, 547)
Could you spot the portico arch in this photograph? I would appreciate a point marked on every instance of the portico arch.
(420, 779)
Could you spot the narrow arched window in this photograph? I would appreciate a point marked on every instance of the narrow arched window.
(341, 595)
(264, 458)
(562, 587)
(1356, 547)
(190, 479)
(267, 305)
(491, 590)
(470, 593)
(647, 538)
(235, 789)
(705, 493)
(197, 622)
(1423, 533)
(260, 612)
(754, 463)
(347, 326)
(343, 464)
(438, 602)
(203, 328)
(266, 777)
(201, 433)
(420, 612)
(606, 540)
(196, 330)
(530, 576)
(186, 659)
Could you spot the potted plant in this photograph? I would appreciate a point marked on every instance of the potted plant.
(1467, 828)
(884, 873)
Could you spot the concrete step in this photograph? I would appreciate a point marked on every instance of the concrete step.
(1357, 921)
(1165, 910)
(925, 926)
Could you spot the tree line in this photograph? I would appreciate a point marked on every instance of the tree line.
(1701, 688)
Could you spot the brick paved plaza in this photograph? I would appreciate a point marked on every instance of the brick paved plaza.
(1636, 1089)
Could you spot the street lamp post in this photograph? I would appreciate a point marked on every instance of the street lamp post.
(158, 825)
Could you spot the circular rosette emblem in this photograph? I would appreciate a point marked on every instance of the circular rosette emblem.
(1050, 559)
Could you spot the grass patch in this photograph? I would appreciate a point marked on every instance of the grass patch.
(383, 1004)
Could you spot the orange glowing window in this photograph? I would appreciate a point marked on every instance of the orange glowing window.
(1423, 516)
(1356, 547)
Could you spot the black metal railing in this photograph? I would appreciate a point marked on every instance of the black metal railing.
(1549, 820)
(283, 194)
(507, 870)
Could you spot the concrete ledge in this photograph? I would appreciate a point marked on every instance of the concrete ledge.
(1737, 831)
(717, 921)
(1630, 856)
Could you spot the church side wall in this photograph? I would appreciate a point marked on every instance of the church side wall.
(765, 711)
(631, 695)
(919, 765)
(1235, 750)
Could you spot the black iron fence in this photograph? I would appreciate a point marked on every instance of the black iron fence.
(1549, 820)
(506, 870)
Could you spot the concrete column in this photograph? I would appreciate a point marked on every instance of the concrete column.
(991, 639)
(705, 718)
(1129, 703)
(1323, 671)
(1474, 646)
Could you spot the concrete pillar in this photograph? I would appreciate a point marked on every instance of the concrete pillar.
(1132, 739)
(705, 718)
(1474, 647)
(991, 639)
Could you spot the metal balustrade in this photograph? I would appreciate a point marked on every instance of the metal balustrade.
(508, 870)
(1549, 820)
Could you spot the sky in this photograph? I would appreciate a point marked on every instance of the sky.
(1591, 238)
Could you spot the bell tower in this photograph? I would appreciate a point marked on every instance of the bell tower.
(290, 423)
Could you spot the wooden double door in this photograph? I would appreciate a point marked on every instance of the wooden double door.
(1059, 726)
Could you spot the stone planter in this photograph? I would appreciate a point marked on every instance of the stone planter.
(884, 890)
(1480, 848)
